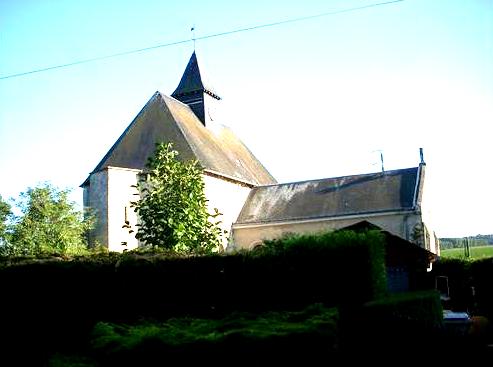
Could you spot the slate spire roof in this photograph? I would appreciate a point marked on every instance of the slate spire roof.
(193, 80)
(196, 92)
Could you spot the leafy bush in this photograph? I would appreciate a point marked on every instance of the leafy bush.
(172, 207)
(49, 224)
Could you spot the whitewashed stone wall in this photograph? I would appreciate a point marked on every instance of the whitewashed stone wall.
(120, 194)
(110, 193)
(96, 199)
(427, 214)
(228, 197)
(249, 235)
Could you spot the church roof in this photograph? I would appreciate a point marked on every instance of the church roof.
(193, 80)
(381, 192)
(164, 119)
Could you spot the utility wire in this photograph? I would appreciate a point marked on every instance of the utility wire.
(293, 20)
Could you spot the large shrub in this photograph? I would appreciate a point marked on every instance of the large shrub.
(172, 207)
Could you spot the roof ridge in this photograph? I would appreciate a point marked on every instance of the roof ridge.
(389, 172)
(125, 132)
(347, 195)
(179, 124)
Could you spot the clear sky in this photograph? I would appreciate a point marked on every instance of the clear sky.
(311, 99)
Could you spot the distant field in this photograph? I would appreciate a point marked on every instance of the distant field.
(475, 252)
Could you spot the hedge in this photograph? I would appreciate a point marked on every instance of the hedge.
(55, 303)
(406, 321)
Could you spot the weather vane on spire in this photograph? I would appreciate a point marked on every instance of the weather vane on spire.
(193, 36)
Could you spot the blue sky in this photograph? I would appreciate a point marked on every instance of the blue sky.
(311, 99)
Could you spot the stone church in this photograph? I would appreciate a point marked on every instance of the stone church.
(254, 206)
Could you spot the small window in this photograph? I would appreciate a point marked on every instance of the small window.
(125, 219)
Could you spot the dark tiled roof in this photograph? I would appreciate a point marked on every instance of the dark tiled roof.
(193, 80)
(164, 119)
(332, 197)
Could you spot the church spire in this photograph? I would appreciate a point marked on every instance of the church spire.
(195, 92)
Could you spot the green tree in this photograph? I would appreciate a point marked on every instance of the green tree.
(49, 223)
(172, 207)
(5, 214)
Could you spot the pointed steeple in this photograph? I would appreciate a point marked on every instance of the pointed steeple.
(195, 92)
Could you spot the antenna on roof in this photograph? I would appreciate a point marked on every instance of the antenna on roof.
(193, 36)
(422, 161)
(381, 158)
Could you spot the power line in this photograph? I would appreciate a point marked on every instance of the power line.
(85, 61)
(293, 20)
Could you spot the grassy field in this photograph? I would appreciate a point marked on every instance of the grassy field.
(475, 252)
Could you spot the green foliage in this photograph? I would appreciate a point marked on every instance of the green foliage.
(400, 322)
(310, 333)
(172, 206)
(322, 241)
(421, 307)
(49, 224)
(236, 334)
(5, 214)
(162, 285)
(366, 247)
(61, 360)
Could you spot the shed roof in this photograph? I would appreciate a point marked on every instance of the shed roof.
(164, 119)
(398, 250)
(388, 191)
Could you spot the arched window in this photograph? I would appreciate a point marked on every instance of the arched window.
(256, 244)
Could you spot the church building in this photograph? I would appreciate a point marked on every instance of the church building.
(254, 206)
(184, 119)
